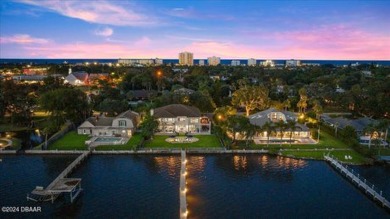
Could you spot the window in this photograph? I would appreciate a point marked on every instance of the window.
(194, 120)
(122, 123)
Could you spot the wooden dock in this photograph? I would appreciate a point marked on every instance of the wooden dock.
(183, 189)
(361, 183)
(61, 184)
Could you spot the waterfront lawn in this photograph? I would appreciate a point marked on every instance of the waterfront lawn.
(326, 141)
(205, 141)
(319, 155)
(130, 145)
(70, 141)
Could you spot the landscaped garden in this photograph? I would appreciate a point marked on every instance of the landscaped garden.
(74, 141)
(70, 141)
(205, 141)
(132, 144)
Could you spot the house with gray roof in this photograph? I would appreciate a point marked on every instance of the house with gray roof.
(358, 124)
(83, 78)
(123, 125)
(272, 116)
(179, 118)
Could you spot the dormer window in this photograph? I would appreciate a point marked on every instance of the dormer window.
(122, 123)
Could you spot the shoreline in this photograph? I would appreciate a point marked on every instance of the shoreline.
(162, 152)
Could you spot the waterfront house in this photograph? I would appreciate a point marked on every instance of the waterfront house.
(123, 125)
(179, 118)
(84, 79)
(300, 133)
(359, 125)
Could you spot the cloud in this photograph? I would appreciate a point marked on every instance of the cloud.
(106, 32)
(101, 12)
(23, 39)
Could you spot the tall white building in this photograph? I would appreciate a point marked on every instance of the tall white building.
(214, 60)
(186, 58)
(158, 61)
(251, 62)
(268, 63)
(235, 63)
(293, 63)
(201, 62)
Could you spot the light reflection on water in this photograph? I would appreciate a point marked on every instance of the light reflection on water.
(263, 186)
(219, 186)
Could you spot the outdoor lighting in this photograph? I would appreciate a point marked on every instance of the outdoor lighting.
(302, 116)
(219, 117)
(159, 73)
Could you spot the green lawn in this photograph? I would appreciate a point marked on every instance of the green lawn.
(326, 141)
(70, 141)
(205, 141)
(319, 155)
(130, 145)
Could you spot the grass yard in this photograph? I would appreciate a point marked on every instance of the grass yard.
(70, 141)
(205, 141)
(326, 141)
(319, 155)
(130, 145)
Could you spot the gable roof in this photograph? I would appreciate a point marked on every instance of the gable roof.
(133, 116)
(261, 118)
(358, 124)
(175, 110)
(101, 121)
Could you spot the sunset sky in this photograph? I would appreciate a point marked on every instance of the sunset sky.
(354, 30)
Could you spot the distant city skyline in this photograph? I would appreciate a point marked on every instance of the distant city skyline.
(303, 30)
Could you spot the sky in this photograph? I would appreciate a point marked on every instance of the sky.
(261, 29)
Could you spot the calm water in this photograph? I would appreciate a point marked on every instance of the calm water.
(222, 186)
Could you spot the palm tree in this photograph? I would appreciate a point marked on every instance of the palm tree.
(269, 128)
(292, 126)
(282, 127)
(384, 126)
(250, 131)
(370, 129)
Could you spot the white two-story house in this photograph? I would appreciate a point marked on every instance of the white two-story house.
(123, 125)
(179, 118)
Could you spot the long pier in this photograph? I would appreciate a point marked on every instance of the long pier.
(183, 189)
(61, 184)
(359, 182)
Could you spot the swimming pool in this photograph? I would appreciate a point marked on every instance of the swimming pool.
(108, 139)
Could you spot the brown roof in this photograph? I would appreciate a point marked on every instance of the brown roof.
(175, 110)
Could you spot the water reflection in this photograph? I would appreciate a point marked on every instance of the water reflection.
(168, 163)
(290, 163)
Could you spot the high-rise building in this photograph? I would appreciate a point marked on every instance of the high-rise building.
(201, 62)
(251, 62)
(186, 58)
(158, 61)
(268, 63)
(214, 60)
(235, 63)
(293, 63)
